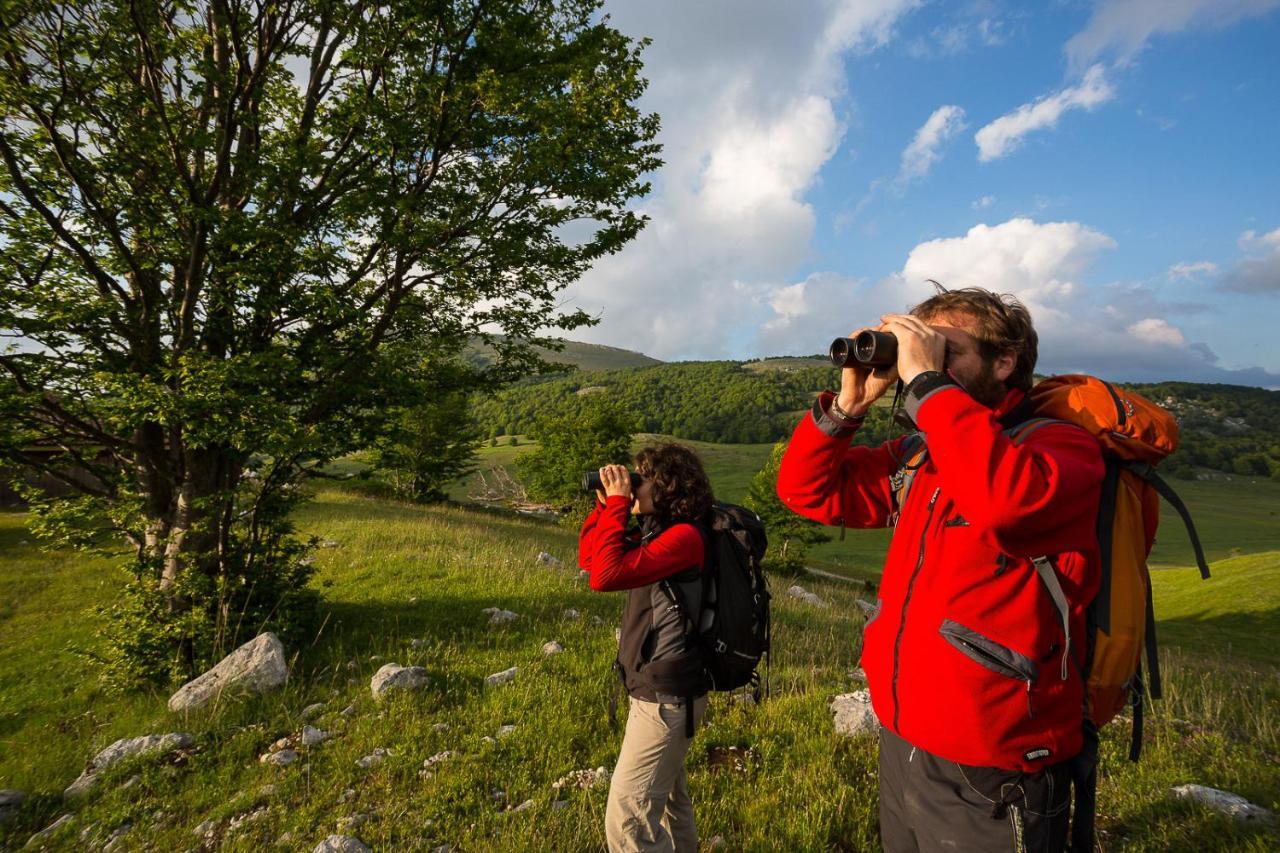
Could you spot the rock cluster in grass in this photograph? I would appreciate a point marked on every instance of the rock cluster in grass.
(853, 714)
(123, 749)
(804, 595)
(373, 759)
(1231, 805)
(256, 667)
(498, 616)
(501, 677)
(393, 676)
(583, 779)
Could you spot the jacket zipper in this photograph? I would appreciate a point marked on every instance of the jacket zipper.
(902, 622)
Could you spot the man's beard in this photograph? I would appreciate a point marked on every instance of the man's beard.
(985, 388)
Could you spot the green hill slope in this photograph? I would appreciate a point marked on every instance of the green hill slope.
(410, 584)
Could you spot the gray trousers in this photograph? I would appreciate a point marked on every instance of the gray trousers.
(649, 807)
(928, 803)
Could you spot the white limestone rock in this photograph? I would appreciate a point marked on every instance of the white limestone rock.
(498, 616)
(49, 830)
(311, 736)
(853, 714)
(552, 648)
(804, 595)
(256, 667)
(501, 677)
(393, 676)
(373, 759)
(312, 711)
(1225, 802)
(342, 844)
(123, 749)
(545, 559)
(279, 758)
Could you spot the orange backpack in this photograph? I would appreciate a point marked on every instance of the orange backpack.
(1134, 434)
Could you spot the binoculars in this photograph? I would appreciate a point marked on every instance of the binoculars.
(868, 349)
(591, 481)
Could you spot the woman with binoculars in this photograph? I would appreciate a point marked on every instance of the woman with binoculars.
(661, 557)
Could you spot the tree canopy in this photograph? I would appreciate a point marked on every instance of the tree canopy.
(226, 224)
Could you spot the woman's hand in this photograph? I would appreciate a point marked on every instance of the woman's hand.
(616, 480)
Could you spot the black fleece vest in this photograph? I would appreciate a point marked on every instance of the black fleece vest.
(657, 659)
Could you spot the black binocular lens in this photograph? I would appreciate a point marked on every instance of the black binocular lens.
(868, 349)
(591, 481)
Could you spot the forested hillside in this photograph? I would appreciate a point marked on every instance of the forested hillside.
(1228, 428)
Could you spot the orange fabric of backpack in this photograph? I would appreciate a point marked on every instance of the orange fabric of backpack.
(1134, 434)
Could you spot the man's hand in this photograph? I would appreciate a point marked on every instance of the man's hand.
(861, 386)
(616, 480)
(920, 347)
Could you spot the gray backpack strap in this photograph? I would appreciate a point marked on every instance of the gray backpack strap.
(1044, 565)
(1049, 577)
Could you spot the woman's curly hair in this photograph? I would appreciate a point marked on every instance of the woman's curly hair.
(681, 490)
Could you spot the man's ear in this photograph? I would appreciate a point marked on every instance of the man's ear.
(1004, 365)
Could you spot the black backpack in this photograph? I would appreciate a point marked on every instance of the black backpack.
(734, 628)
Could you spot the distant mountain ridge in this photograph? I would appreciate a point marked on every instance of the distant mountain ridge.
(583, 356)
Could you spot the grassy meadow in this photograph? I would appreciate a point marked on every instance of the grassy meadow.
(400, 573)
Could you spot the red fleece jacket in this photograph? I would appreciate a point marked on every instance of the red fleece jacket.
(615, 563)
(964, 653)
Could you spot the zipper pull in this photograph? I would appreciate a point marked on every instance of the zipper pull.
(1030, 711)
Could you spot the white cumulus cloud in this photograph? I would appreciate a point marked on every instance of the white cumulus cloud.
(925, 148)
(1258, 272)
(1121, 28)
(750, 97)
(1159, 332)
(1192, 270)
(1006, 133)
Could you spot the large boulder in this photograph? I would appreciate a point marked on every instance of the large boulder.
(256, 667)
(123, 749)
(853, 714)
(393, 676)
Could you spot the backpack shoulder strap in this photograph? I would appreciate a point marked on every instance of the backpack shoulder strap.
(1148, 473)
(912, 454)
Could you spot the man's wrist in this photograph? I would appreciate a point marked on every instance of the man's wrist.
(851, 413)
(923, 386)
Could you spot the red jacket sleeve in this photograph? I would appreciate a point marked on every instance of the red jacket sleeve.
(823, 478)
(1037, 497)
(603, 553)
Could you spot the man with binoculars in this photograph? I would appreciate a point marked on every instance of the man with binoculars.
(972, 676)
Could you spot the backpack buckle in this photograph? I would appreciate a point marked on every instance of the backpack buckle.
(721, 648)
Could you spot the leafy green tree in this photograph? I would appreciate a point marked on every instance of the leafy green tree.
(580, 440)
(215, 218)
(432, 439)
(790, 535)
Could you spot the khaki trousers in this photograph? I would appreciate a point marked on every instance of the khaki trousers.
(649, 807)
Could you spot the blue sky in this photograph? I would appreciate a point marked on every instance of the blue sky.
(1112, 163)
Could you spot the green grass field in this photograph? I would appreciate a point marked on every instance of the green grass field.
(402, 572)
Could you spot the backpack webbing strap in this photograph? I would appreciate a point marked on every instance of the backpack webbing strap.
(1049, 577)
(1153, 658)
(1084, 779)
(1139, 705)
(1148, 473)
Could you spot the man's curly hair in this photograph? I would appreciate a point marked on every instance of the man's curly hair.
(681, 490)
